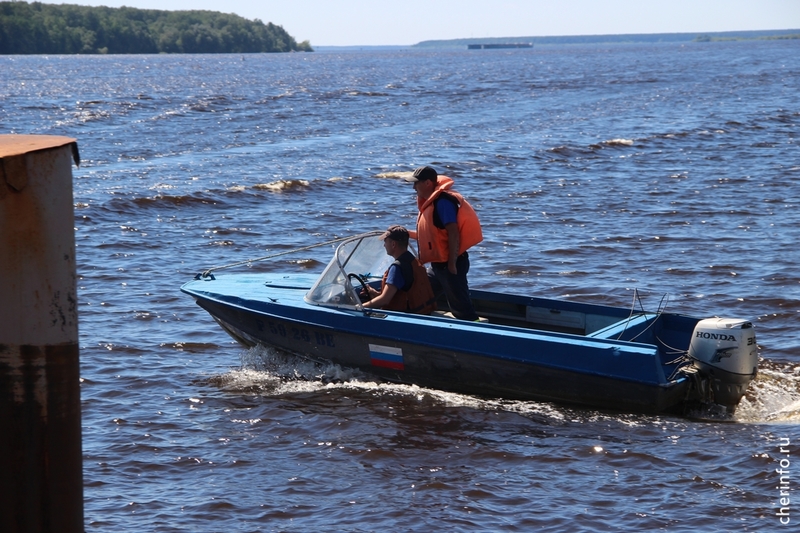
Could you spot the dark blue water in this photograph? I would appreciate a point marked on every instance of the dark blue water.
(667, 171)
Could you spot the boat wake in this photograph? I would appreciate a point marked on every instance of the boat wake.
(773, 397)
(270, 372)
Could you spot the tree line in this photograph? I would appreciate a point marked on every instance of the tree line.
(38, 28)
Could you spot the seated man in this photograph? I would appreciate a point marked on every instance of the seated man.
(405, 285)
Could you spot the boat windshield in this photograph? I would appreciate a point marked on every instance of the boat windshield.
(362, 255)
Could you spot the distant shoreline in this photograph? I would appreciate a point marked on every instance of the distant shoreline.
(619, 38)
(628, 38)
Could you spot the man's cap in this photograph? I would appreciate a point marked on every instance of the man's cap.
(396, 233)
(422, 174)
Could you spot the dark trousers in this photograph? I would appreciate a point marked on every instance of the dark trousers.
(454, 286)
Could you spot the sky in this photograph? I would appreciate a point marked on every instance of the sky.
(381, 22)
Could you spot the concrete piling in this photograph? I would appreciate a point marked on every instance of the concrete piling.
(41, 481)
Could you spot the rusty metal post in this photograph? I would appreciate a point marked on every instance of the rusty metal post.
(41, 481)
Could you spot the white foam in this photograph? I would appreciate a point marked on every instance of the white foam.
(773, 397)
(269, 371)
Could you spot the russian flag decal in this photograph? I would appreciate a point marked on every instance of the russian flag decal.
(386, 357)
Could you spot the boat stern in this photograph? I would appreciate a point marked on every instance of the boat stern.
(724, 352)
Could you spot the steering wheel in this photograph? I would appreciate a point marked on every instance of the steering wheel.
(363, 282)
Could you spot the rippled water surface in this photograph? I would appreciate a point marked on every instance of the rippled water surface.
(669, 171)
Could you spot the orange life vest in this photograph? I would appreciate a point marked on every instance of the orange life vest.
(419, 298)
(432, 241)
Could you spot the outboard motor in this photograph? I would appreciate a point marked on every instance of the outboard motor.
(724, 352)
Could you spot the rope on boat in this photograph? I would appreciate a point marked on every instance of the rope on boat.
(683, 361)
(662, 305)
(207, 273)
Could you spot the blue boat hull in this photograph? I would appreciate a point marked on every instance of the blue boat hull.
(582, 357)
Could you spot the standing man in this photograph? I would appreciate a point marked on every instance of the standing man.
(447, 226)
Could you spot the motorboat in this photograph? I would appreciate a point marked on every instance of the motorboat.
(523, 347)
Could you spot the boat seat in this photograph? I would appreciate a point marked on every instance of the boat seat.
(624, 329)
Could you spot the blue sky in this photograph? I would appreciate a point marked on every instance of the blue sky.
(376, 22)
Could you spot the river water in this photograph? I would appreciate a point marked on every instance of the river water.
(669, 171)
